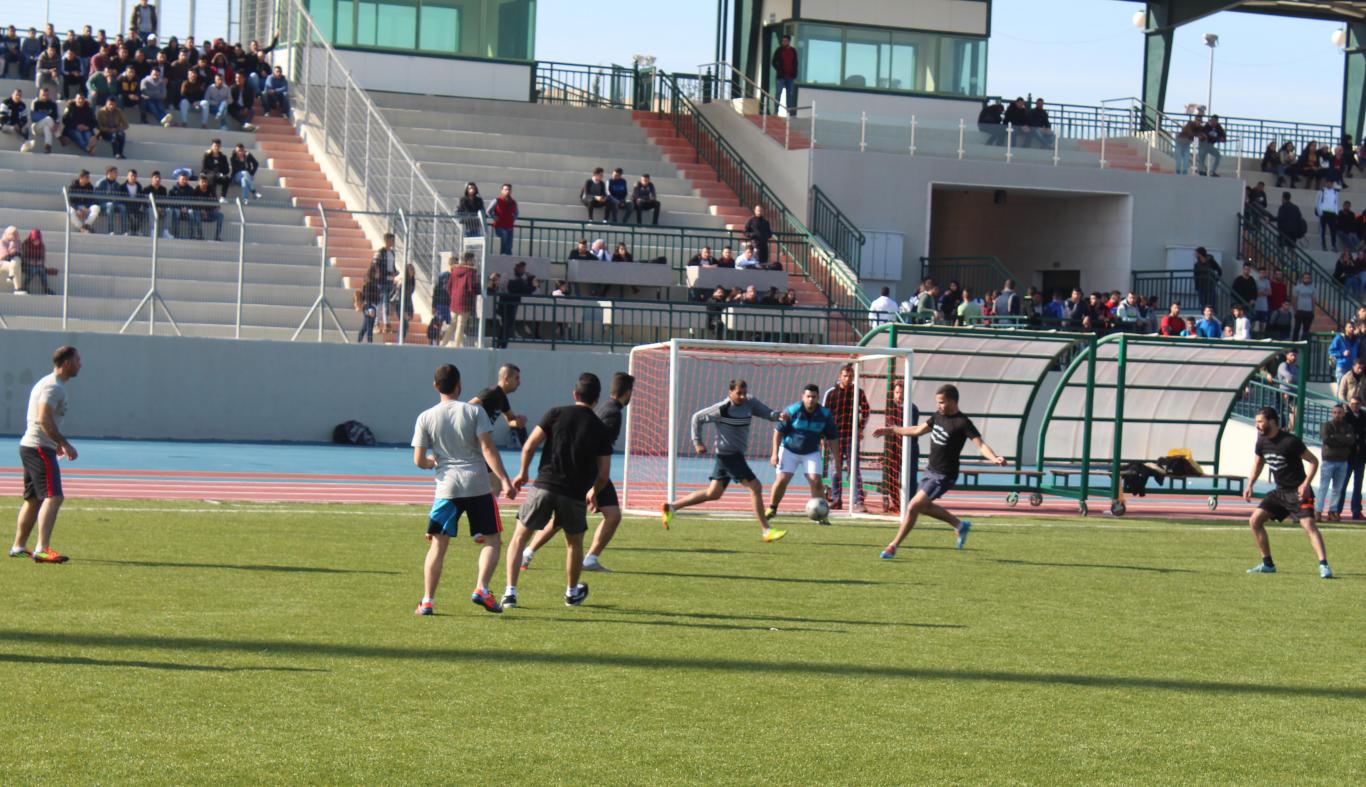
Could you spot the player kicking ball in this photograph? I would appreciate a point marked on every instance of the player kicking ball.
(797, 446)
(456, 439)
(732, 417)
(949, 429)
(1293, 496)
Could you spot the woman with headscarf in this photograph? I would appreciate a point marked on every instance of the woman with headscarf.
(11, 263)
(35, 262)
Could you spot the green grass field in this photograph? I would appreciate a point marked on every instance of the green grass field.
(202, 643)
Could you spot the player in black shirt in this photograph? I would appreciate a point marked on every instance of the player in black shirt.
(495, 402)
(574, 468)
(609, 412)
(949, 429)
(1293, 496)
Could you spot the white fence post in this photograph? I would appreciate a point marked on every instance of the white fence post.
(960, 138)
(863, 131)
(912, 135)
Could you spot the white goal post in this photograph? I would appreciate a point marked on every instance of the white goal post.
(675, 379)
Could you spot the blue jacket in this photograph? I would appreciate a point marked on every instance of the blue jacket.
(1209, 329)
(802, 432)
(1344, 351)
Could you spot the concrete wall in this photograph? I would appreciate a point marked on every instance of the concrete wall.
(162, 387)
(952, 16)
(887, 107)
(893, 192)
(402, 73)
(787, 172)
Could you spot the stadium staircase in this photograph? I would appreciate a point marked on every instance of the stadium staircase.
(198, 279)
(1260, 242)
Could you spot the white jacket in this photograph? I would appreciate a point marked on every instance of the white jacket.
(1328, 201)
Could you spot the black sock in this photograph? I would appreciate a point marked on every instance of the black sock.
(1266, 561)
(1323, 562)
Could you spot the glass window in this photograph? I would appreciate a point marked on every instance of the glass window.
(346, 23)
(474, 28)
(821, 52)
(861, 57)
(396, 25)
(900, 69)
(324, 16)
(440, 28)
(867, 57)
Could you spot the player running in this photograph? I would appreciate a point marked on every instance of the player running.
(732, 416)
(609, 412)
(797, 446)
(949, 429)
(575, 466)
(1293, 496)
(456, 440)
(39, 449)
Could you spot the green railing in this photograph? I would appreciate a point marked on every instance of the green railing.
(566, 320)
(1257, 394)
(1181, 287)
(838, 230)
(1320, 366)
(555, 238)
(573, 84)
(1261, 242)
(812, 256)
(980, 275)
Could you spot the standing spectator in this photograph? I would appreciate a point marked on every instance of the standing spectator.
(275, 93)
(520, 284)
(244, 166)
(369, 299)
(1303, 296)
(1209, 326)
(1040, 128)
(155, 191)
(1211, 135)
(883, 309)
(83, 208)
(469, 209)
(618, 197)
(1245, 285)
(504, 215)
(892, 452)
(207, 210)
(217, 169)
(1242, 326)
(759, 232)
(242, 102)
(1261, 308)
(144, 20)
(78, 123)
(1257, 195)
(461, 291)
(12, 258)
(1017, 119)
(1357, 461)
(969, 310)
(840, 401)
(593, 195)
(114, 210)
(1187, 135)
(948, 303)
(1326, 208)
(1130, 315)
(991, 121)
(134, 211)
(1288, 379)
(1344, 350)
(386, 260)
(786, 67)
(441, 294)
(1172, 324)
(1279, 292)
(112, 126)
(643, 198)
(1207, 275)
(1352, 384)
(1338, 440)
(182, 215)
(1008, 303)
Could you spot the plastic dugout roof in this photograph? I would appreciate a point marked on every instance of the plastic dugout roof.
(999, 372)
(1163, 392)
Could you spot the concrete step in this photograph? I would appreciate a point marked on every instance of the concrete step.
(263, 214)
(418, 140)
(189, 313)
(100, 285)
(436, 161)
(591, 128)
(298, 274)
(54, 222)
(504, 109)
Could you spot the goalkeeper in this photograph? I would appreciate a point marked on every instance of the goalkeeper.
(797, 445)
(732, 417)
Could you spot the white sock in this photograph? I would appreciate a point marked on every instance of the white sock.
(511, 591)
(427, 600)
(528, 552)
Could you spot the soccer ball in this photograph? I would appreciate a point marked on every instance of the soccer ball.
(817, 509)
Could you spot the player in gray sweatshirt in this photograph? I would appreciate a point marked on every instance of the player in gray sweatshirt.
(732, 417)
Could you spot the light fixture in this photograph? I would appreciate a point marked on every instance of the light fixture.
(1339, 38)
(1141, 20)
(1211, 40)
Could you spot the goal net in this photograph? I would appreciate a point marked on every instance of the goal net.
(676, 379)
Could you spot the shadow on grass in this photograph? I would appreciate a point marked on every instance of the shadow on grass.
(1153, 569)
(81, 661)
(506, 656)
(777, 618)
(693, 550)
(695, 625)
(236, 567)
(741, 577)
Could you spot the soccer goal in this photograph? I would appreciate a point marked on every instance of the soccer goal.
(678, 378)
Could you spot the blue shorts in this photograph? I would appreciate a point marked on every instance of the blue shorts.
(731, 467)
(480, 510)
(935, 485)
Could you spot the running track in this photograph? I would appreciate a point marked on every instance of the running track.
(271, 473)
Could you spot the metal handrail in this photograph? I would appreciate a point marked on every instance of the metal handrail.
(831, 223)
(1260, 240)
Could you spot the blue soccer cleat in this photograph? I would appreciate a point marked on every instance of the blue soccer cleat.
(963, 527)
(1325, 572)
(888, 553)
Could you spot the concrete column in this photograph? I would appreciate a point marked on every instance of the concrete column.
(1157, 60)
(1354, 83)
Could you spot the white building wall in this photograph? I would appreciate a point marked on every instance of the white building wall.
(950, 16)
(401, 73)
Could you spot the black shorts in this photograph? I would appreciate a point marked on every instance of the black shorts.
(935, 485)
(1282, 503)
(480, 510)
(42, 477)
(542, 505)
(607, 496)
(730, 467)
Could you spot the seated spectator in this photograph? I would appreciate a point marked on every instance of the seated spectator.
(216, 169)
(749, 258)
(134, 209)
(78, 124)
(581, 251)
(622, 254)
(244, 168)
(927, 307)
(599, 251)
(750, 297)
(790, 298)
(1172, 324)
(618, 197)
(593, 195)
(1346, 273)
(72, 72)
(775, 298)
(1349, 227)
(14, 116)
(991, 122)
(11, 258)
(1288, 166)
(1270, 158)
(204, 194)
(192, 97)
(560, 290)
(130, 92)
(702, 259)
(43, 117)
(727, 258)
(217, 100)
(1017, 119)
(275, 93)
(155, 191)
(35, 264)
(644, 198)
(102, 85)
(83, 207)
(1039, 130)
(883, 309)
(242, 102)
(1191, 330)
(114, 210)
(112, 126)
(48, 75)
(1209, 326)
(1228, 332)
(1242, 324)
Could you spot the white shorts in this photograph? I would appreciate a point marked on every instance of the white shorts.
(791, 464)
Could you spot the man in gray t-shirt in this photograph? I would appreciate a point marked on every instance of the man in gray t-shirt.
(39, 450)
(732, 417)
(455, 439)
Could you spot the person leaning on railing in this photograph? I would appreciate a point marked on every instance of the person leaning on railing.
(470, 209)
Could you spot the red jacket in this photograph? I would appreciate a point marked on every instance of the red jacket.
(1172, 326)
(504, 213)
(463, 285)
(1277, 296)
(785, 62)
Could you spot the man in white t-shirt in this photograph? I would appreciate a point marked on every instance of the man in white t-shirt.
(39, 449)
(456, 439)
(883, 309)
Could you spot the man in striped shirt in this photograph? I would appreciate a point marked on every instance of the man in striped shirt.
(732, 417)
(840, 401)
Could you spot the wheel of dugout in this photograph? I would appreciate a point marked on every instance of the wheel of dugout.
(1212, 503)
(1117, 508)
(1035, 499)
(1012, 499)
